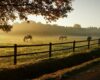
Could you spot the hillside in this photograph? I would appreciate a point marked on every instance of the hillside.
(36, 29)
(39, 29)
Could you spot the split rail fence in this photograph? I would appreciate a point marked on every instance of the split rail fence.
(50, 50)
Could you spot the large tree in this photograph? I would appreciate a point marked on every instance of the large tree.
(52, 10)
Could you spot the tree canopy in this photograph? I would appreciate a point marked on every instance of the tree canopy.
(52, 10)
(77, 26)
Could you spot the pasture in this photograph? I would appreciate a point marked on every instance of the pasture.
(11, 40)
(18, 39)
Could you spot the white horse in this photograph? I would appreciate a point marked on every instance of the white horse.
(27, 37)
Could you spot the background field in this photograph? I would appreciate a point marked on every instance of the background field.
(18, 39)
(7, 40)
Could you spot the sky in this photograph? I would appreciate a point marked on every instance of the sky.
(86, 13)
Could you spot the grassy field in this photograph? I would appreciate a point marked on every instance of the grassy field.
(33, 70)
(11, 40)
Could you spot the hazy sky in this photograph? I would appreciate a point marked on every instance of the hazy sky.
(86, 13)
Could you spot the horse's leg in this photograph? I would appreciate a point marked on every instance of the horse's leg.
(30, 39)
(24, 39)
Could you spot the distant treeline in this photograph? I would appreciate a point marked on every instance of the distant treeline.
(53, 30)
(91, 31)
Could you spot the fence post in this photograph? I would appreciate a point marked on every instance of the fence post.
(89, 44)
(50, 49)
(74, 46)
(15, 54)
(99, 42)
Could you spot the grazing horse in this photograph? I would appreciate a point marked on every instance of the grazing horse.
(63, 37)
(27, 37)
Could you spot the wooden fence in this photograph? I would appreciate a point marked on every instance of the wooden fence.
(50, 45)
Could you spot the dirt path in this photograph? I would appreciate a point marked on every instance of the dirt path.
(90, 74)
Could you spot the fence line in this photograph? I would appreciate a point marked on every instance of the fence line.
(50, 50)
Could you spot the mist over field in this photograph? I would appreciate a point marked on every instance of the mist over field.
(45, 33)
(36, 29)
(39, 29)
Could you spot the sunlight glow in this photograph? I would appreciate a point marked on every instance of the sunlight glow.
(17, 20)
(85, 13)
(39, 18)
(36, 18)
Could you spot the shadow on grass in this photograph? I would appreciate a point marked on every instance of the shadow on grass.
(46, 66)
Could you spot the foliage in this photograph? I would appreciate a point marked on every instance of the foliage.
(53, 30)
(77, 26)
(50, 9)
(6, 28)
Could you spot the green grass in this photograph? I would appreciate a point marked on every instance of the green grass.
(11, 40)
(35, 69)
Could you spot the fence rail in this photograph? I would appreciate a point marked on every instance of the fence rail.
(50, 50)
